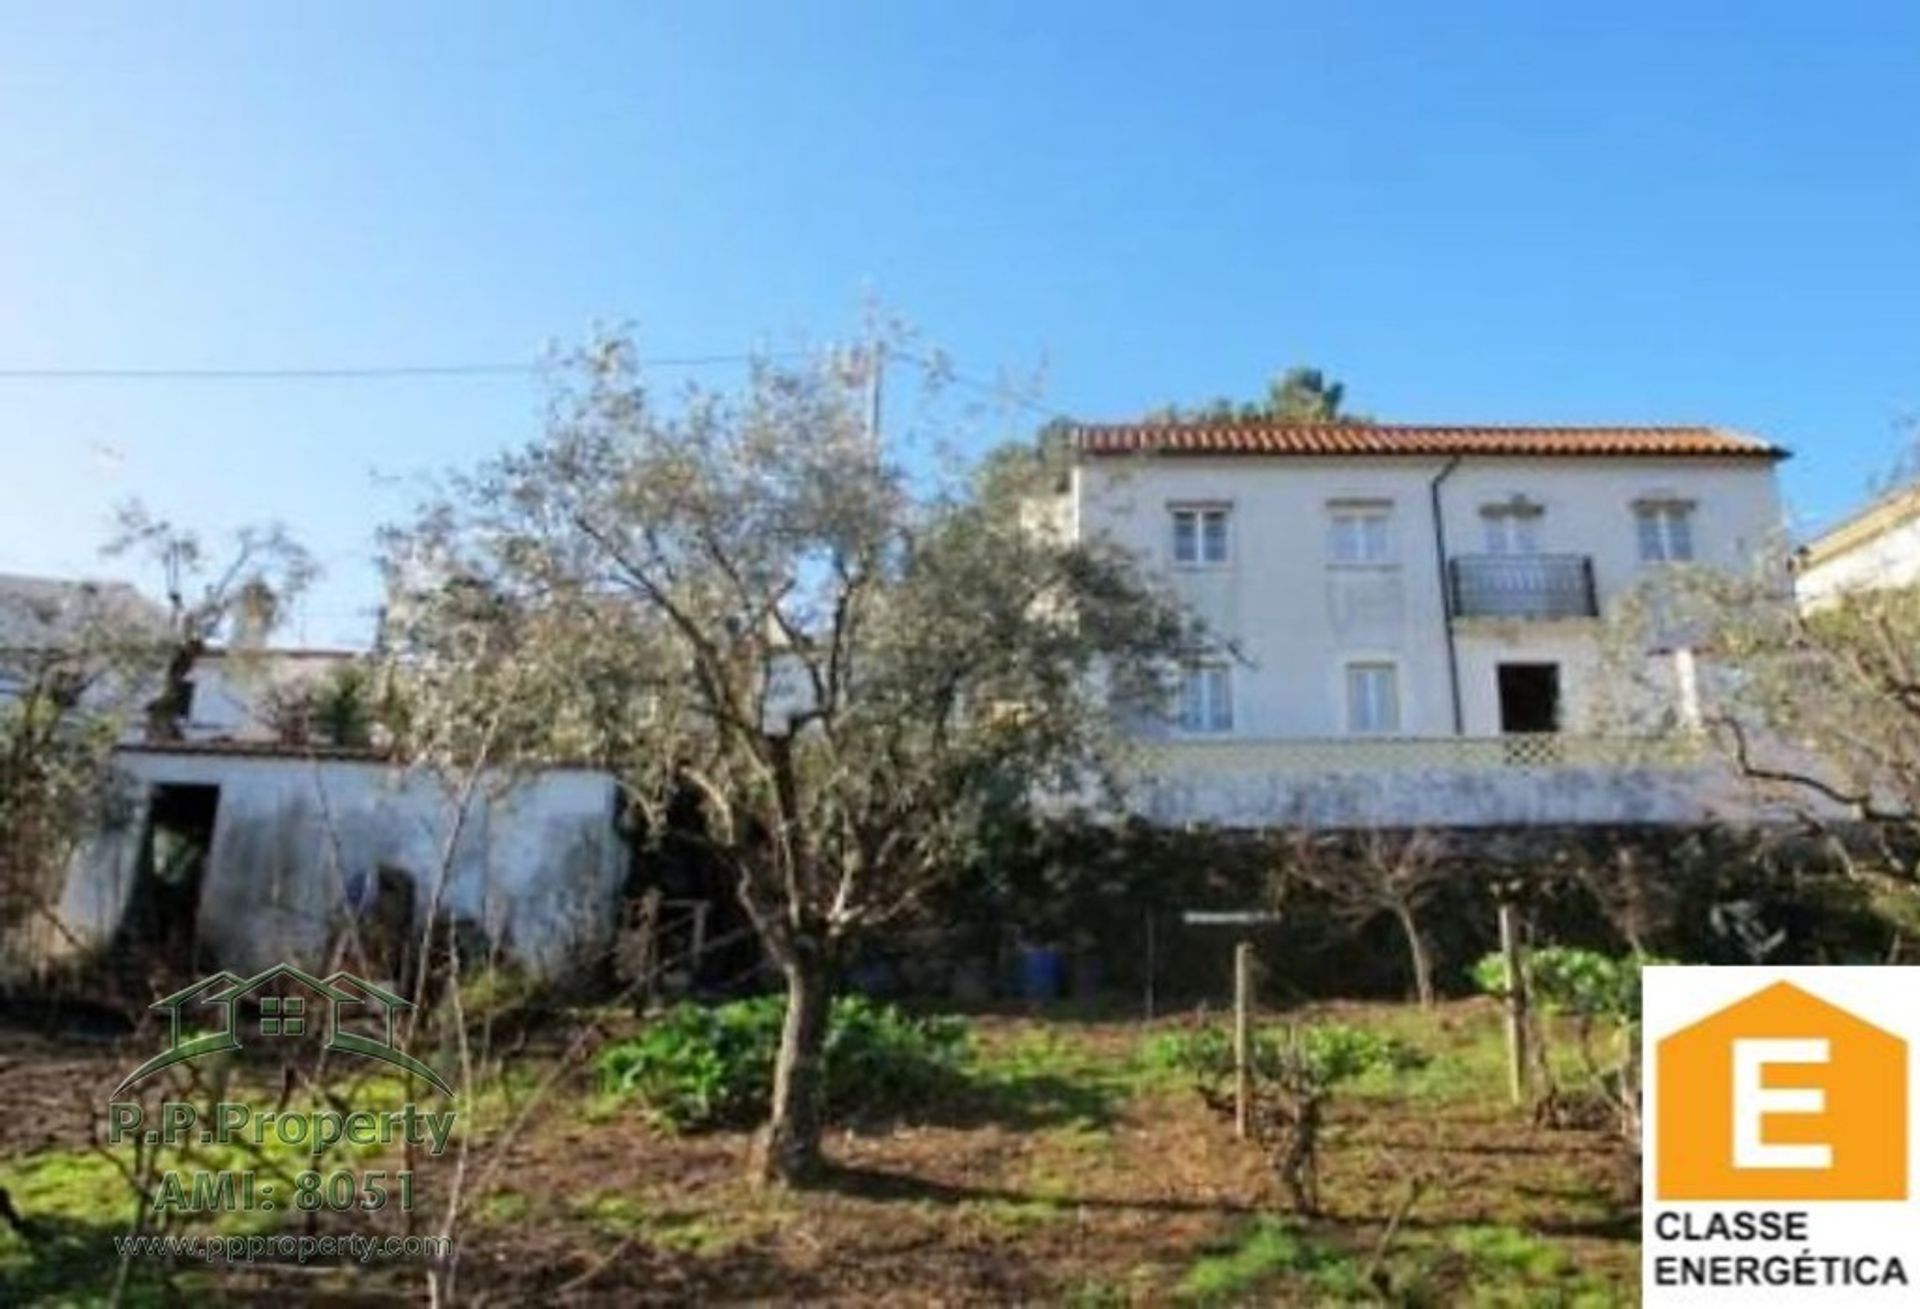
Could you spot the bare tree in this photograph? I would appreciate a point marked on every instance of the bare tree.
(1368, 875)
(749, 600)
(243, 597)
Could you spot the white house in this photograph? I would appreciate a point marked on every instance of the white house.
(1409, 617)
(1877, 547)
(231, 691)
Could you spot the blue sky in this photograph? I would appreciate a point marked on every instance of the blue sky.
(1497, 212)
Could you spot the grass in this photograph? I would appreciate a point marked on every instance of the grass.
(504, 1207)
(1489, 1267)
(624, 1214)
(1269, 1252)
(1070, 1169)
(1513, 1269)
(1466, 1051)
(1040, 1078)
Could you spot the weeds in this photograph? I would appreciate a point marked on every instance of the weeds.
(701, 1067)
(1268, 1251)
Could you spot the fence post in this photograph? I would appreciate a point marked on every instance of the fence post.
(1242, 1037)
(1516, 1004)
(1152, 964)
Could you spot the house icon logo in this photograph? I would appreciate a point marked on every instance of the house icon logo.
(1781, 1096)
(292, 1011)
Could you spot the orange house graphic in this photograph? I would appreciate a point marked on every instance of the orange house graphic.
(1782, 1096)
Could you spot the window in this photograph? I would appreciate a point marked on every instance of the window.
(1373, 698)
(1512, 526)
(1665, 530)
(1357, 533)
(1206, 699)
(1199, 536)
(1512, 534)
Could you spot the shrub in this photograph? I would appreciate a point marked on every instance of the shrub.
(1601, 995)
(1324, 1054)
(1577, 983)
(700, 1067)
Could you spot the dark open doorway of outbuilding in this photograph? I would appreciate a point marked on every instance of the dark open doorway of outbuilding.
(163, 912)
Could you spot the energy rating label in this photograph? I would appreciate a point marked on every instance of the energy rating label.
(1778, 1161)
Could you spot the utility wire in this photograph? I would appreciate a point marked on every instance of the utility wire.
(335, 374)
(386, 372)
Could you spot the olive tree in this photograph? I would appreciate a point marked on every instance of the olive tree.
(1816, 706)
(749, 599)
(241, 593)
(74, 662)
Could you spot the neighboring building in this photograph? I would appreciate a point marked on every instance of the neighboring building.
(43, 614)
(246, 844)
(36, 612)
(1874, 548)
(249, 854)
(234, 690)
(1410, 616)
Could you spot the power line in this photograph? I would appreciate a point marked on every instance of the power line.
(369, 372)
(388, 372)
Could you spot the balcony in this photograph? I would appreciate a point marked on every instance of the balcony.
(1522, 586)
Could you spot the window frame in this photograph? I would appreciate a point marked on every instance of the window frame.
(1201, 513)
(1663, 515)
(1352, 670)
(1212, 706)
(1362, 513)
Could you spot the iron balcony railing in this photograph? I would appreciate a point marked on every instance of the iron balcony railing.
(1523, 586)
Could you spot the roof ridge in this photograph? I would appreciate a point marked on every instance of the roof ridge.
(1291, 437)
(1336, 425)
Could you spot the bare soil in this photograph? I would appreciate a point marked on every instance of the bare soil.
(1096, 1201)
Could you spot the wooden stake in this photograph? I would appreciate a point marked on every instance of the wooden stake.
(1152, 963)
(1242, 1038)
(1516, 1005)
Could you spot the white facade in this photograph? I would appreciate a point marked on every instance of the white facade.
(537, 863)
(1332, 594)
(232, 689)
(298, 832)
(1877, 548)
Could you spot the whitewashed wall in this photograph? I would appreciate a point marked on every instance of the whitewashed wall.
(231, 690)
(538, 861)
(1298, 617)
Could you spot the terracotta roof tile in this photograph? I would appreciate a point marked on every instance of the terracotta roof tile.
(1255, 438)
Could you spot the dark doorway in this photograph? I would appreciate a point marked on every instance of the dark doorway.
(682, 927)
(165, 904)
(1529, 697)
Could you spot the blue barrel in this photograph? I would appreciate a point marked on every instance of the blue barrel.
(1043, 973)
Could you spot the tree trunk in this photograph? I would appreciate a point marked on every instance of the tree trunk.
(788, 1150)
(167, 712)
(1417, 956)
